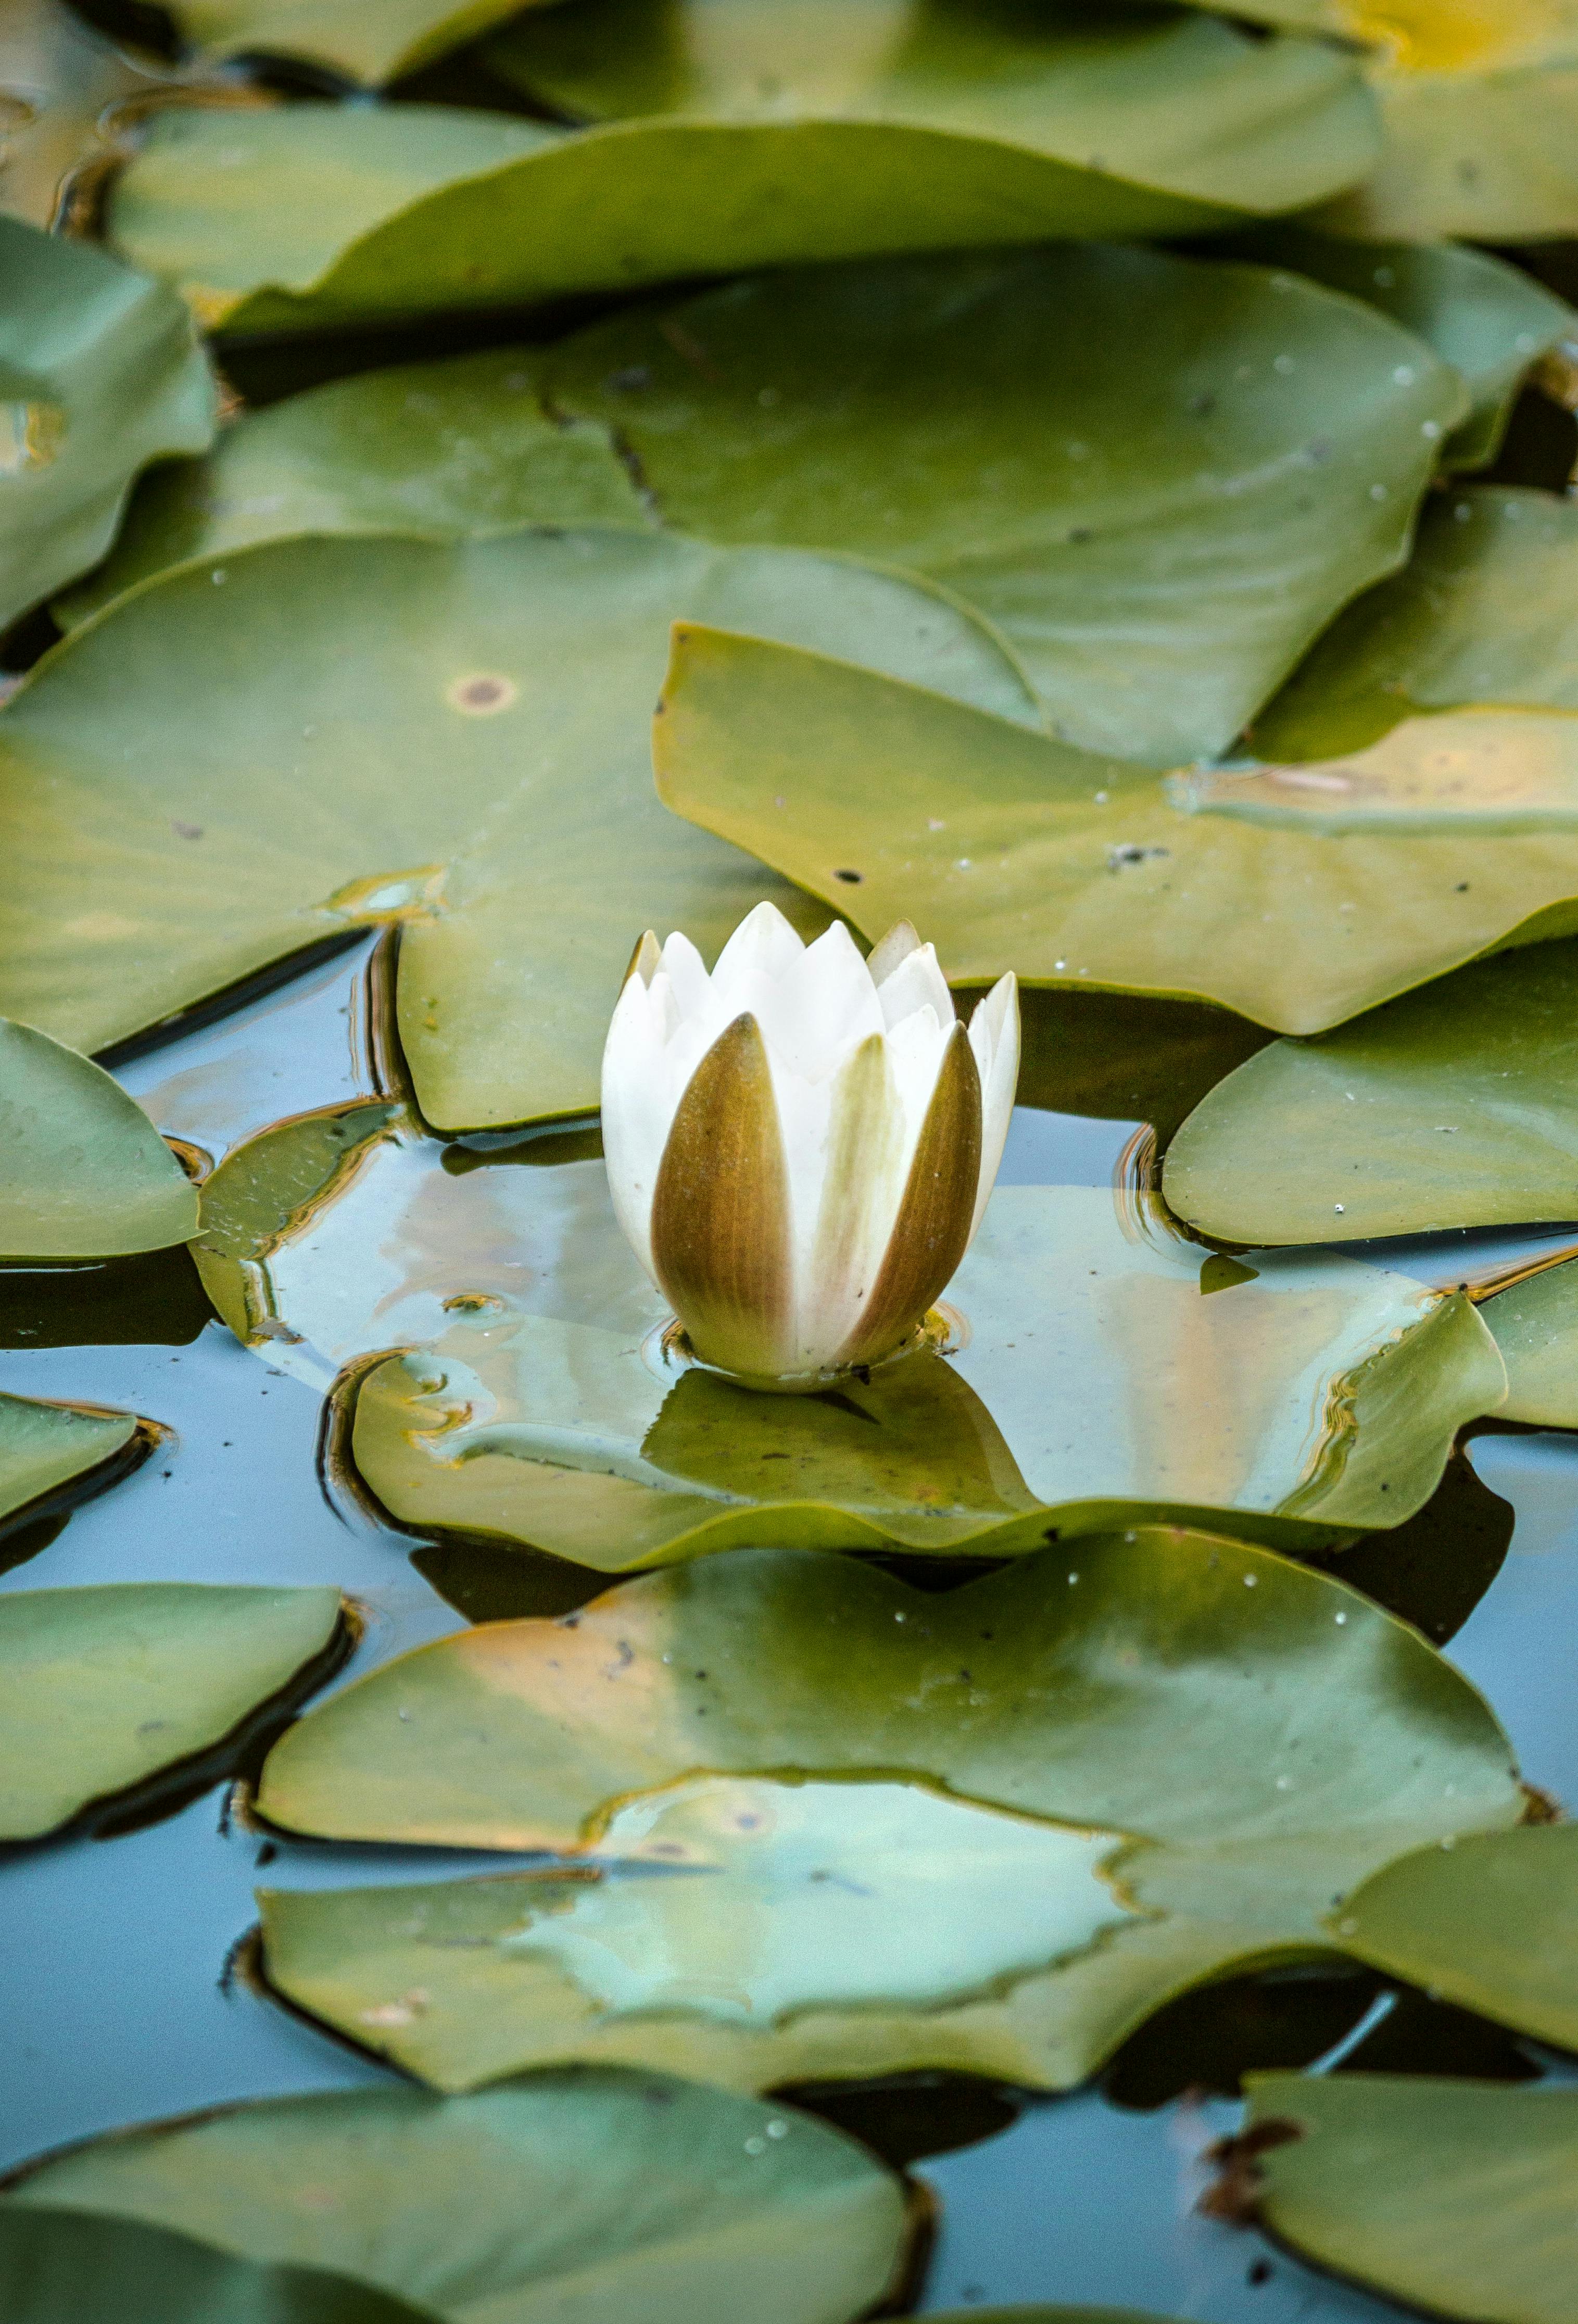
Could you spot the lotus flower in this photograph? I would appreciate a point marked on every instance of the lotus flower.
(800, 1145)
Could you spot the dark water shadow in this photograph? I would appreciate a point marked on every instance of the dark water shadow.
(152, 1299)
(1433, 1570)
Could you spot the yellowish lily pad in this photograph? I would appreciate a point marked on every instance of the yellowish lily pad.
(365, 39)
(1216, 1740)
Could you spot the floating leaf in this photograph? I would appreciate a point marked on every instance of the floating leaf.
(1489, 321)
(1455, 2196)
(1491, 1923)
(75, 2267)
(1434, 35)
(1482, 613)
(363, 40)
(83, 1172)
(1456, 1106)
(1261, 1733)
(1535, 1324)
(99, 375)
(59, 80)
(445, 448)
(981, 420)
(316, 735)
(106, 1688)
(304, 216)
(1014, 851)
(600, 2195)
(45, 1446)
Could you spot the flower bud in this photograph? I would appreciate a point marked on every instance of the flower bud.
(800, 1147)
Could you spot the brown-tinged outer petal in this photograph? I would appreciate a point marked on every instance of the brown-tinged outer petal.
(644, 961)
(932, 1230)
(721, 1211)
(862, 1192)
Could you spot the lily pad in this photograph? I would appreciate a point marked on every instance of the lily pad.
(1015, 851)
(1492, 322)
(447, 449)
(981, 420)
(1259, 1733)
(1535, 1324)
(1453, 1107)
(1455, 2196)
(600, 2195)
(99, 375)
(44, 1447)
(83, 1172)
(143, 874)
(107, 1687)
(1483, 614)
(1491, 1924)
(362, 39)
(77, 2267)
(303, 216)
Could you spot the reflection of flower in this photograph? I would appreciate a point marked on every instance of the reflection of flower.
(801, 1144)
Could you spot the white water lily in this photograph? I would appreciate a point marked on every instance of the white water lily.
(800, 1145)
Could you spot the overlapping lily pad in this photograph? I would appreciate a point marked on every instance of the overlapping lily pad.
(45, 1447)
(81, 2267)
(316, 735)
(981, 420)
(599, 2195)
(1535, 1324)
(99, 375)
(363, 40)
(1483, 614)
(1232, 1738)
(1454, 2197)
(969, 133)
(1456, 1106)
(1491, 1923)
(448, 449)
(83, 1172)
(1015, 851)
(106, 1688)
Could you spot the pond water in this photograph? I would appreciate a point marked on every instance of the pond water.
(115, 1955)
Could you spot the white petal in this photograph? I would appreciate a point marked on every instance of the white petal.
(762, 948)
(686, 973)
(995, 1036)
(889, 950)
(864, 1159)
(638, 1110)
(915, 1048)
(916, 982)
(824, 1007)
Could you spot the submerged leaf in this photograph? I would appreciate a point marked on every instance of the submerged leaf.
(365, 39)
(1491, 1924)
(305, 215)
(1453, 1107)
(1260, 1735)
(46, 1446)
(104, 1688)
(981, 420)
(600, 2195)
(1016, 852)
(99, 375)
(317, 734)
(83, 1172)
(1455, 2196)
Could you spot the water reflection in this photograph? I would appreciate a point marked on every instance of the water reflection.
(1517, 1645)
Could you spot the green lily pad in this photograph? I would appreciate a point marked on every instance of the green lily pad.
(301, 216)
(44, 1447)
(1489, 321)
(1015, 851)
(59, 80)
(83, 1172)
(1455, 2196)
(1456, 1106)
(99, 375)
(538, 1405)
(1115, 524)
(75, 2267)
(1260, 1733)
(446, 449)
(454, 736)
(1535, 1324)
(363, 40)
(1491, 1924)
(106, 1687)
(1482, 613)
(595, 2195)
(1433, 35)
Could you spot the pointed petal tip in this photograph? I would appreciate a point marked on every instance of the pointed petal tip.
(644, 961)
(887, 953)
